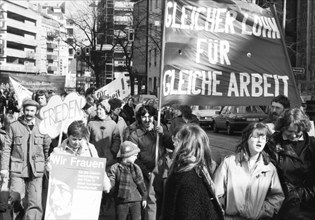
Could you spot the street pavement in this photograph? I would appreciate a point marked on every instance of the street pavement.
(222, 144)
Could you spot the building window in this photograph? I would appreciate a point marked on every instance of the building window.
(150, 4)
(71, 52)
(155, 56)
(150, 51)
(156, 3)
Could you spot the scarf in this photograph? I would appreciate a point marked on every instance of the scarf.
(207, 180)
(129, 172)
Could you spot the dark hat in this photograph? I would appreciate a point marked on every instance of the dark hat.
(128, 149)
(30, 102)
(114, 103)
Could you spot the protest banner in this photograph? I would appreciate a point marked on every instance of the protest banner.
(58, 114)
(37, 82)
(20, 91)
(118, 88)
(224, 53)
(75, 187)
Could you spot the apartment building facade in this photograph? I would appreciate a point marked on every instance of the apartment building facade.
(33, 40)
(19, 34)
(114, 23)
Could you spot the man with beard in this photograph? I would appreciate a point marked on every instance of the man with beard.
(278, 105)
(144, 135)
(25, 153)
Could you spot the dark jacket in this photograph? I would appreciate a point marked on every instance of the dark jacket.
(25, 151)
(178, 122)
(296, 173)
(146, 141)
(189, 196)
(128, 113)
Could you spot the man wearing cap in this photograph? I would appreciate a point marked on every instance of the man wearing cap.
(25, 152)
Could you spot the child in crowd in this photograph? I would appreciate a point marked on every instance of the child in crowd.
(127, 182)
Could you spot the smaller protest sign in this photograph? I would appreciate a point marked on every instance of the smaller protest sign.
(118, 88)
(58, 114)
(75, 186)
(20, 91)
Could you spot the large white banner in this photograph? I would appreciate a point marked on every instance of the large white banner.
(118, 88)
(20, 91)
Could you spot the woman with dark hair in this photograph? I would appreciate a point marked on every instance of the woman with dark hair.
(292, 151)
(77, 144)
(247, 183)
(144, 134)
(189, 191)
(128, 111)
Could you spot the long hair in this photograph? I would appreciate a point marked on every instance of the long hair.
(296, 117)
(192, 151)
(247, 132)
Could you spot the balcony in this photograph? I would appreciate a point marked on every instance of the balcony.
(25, 26)
(21, 40)
(51, 57)
(15, 8)
(15, 53)
(30, 54)
(52, 68)
(52, 45)
(18, 68)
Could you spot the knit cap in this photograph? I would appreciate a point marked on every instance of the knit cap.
(128, 149)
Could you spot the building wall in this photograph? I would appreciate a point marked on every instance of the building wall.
(305, 56)
(19, 34)
(139, 48)
(32, 40)
(155, 40)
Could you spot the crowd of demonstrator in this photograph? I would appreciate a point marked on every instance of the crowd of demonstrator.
(270, 176)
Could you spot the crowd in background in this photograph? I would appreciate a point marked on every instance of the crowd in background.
(270, 176)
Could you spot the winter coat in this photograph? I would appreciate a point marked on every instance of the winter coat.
(86, 150)
(246, 193)
(122, 126)
(2, 139)
(297, 174)
(129, 114)
(104, 135)
(25, 151)
(190, 196)
(136, 194)
(146, 141)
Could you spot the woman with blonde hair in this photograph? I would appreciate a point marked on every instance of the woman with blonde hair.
(189, 191)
